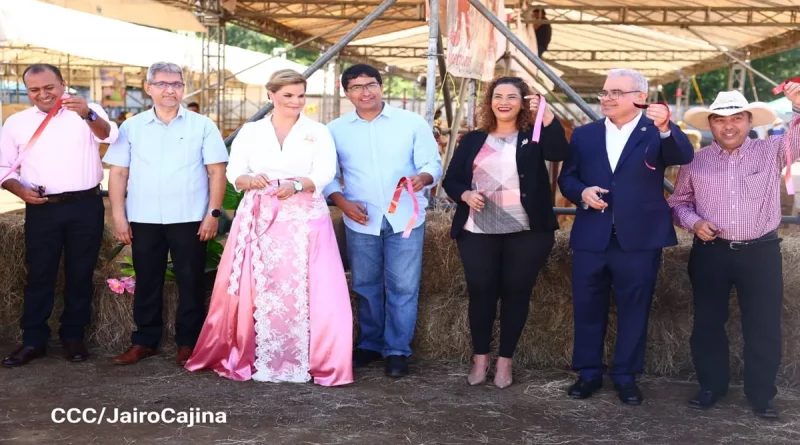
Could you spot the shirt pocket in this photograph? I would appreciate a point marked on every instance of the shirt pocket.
(191, 149)
(755, 184)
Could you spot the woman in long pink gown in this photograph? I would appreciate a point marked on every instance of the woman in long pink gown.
(280, 308)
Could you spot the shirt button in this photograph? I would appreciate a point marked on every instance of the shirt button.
(521, 176)
(524, 195)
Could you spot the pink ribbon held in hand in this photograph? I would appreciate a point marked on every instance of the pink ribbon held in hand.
(274, 204)
(406, 181)
(537, 124)
(787, 177)
(669, 116)
(779, 89)
(646, 106)
(25, 151)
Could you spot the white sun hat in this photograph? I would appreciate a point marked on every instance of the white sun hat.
(729, 103)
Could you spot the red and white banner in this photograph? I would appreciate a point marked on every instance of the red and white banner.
(472, 48)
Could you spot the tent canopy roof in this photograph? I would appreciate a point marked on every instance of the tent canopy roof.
(659, 38)
(32, 32)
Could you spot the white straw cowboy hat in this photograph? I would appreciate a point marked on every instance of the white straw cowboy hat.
(729, 103)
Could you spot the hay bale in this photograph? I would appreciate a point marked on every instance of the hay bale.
(443, 329)
(442, 326)
(112, 313)
(113, 325)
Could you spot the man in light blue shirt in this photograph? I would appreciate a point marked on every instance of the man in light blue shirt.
(172, 164)
(377, 145)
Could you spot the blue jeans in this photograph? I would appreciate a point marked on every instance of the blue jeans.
(387, 261)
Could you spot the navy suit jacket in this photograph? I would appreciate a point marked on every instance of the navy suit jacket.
(636, 200)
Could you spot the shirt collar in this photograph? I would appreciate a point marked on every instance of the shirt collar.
(302, 120)
(627, 126)
(386, 112)
(39, 111)
(151, 116)
(743, 148)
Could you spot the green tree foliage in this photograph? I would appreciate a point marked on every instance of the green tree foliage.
(254, 41)
(778, 67)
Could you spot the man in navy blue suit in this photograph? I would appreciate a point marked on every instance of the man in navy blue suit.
(615, 177)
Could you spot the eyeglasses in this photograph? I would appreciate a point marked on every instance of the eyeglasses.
(164, 85)
(614, 94)
(371, 87)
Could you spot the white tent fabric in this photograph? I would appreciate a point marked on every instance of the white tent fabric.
(143, 12)
(105, 41)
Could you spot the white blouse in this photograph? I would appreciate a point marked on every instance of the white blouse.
(308, 151)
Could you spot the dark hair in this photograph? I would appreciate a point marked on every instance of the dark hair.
(193, 104)
(37, 68)
(360, 70)
(486, 118)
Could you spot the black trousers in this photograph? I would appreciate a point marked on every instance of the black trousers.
(76, 230)
(150, 245)
(756, 272)
(506, 267)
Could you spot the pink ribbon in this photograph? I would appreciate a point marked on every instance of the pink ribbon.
(647, 164)
(537, 124)
(787, 177)
(275, 204)
(405, 180)
(669, 116)
(779, 89)
(26, 151)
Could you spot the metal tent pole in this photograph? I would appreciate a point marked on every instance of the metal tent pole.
(447, 97)
(328, 55)
(433, 38)
(304, 42)
(533, 58)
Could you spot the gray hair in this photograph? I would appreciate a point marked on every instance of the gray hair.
(638, 79)
(163, 67)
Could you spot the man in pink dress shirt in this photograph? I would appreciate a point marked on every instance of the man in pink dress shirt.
(729, 197)
(60, 184)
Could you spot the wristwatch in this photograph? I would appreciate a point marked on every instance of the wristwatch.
(298, 186)
(215, 213)
(91, 117)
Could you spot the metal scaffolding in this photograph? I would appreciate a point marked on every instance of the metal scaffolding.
(566, 15)
(683, 97)
(330, 9)
(212, 95)
(737, 77)
(242, 15)
(671, 15)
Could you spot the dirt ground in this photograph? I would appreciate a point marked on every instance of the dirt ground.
(432, 406)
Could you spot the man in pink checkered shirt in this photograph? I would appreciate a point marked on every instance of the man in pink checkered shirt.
(729, 198)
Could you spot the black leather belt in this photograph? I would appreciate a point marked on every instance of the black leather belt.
(67, 197)
(738, 245)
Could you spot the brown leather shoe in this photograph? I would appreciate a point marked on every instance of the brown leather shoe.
(134, 354)
(75, 350)
(22, 355)
(184, 352)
